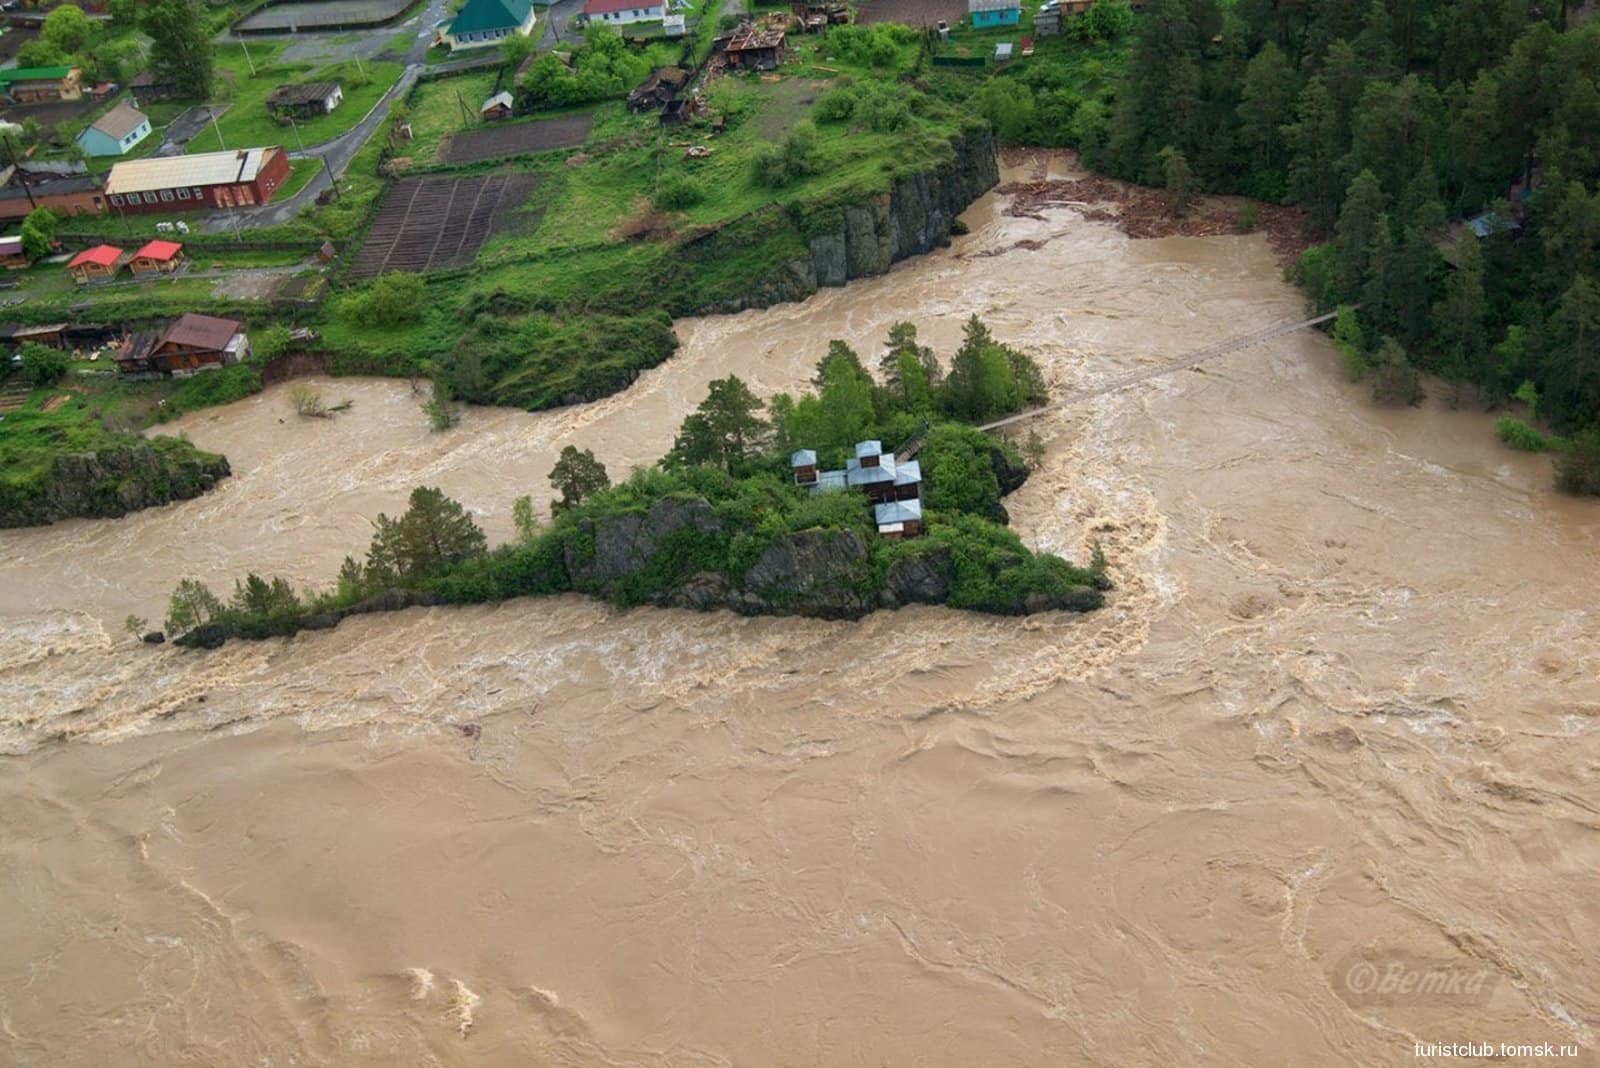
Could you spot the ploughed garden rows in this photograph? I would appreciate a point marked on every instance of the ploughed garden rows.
(428, 224)
(516, 139)
(918, 13)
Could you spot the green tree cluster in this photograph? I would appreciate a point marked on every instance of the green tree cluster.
(1386, 120)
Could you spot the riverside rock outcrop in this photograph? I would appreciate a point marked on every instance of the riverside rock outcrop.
(114, 480)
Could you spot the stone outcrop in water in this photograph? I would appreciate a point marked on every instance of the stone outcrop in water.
(113, 480)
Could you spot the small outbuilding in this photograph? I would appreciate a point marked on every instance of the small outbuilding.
(755, 48)
(662, 85)
(157, 257)
(146, 90)
(97, 264)
(496, 108)
(305, 101)
(116, 132)
(12, 258)
(898, 519)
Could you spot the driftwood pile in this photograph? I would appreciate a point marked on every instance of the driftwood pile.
(1141, 213)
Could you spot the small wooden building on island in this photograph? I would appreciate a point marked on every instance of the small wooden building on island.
(891, 485)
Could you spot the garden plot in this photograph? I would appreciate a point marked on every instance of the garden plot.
(517, 139)
(428, 224)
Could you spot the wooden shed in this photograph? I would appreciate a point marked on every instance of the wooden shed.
(96, 264)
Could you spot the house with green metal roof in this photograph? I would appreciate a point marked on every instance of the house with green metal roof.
(39, 85)
(485, 23)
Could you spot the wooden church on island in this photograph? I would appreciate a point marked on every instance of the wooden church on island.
(892, 486)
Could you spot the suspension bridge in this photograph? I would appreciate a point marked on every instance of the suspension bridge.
(1194, 359)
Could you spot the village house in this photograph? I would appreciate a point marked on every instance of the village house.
(496, 108)
(755, 48)
(305, 101)
(485, 23)
(157, 257)
(115, 132)
(893, 486)
(622, 12)
(66, 189)
(12, 258)
(193, 343)
(198, 182)
(41, 85)
(986, 13)
(98, 264)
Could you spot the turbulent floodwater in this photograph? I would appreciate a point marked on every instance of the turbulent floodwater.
(1342, 707)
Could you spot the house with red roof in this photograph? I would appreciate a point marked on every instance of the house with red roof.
(95, 264)
(157, 257)
(622, 12)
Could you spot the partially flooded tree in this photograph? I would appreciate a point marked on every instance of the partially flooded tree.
(1177, 179)
(576, 475)
(434, 533)
(191, 605)
(524, 519)
(307, 402)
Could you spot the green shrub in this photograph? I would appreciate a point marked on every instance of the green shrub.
(222, 386)
(43, 365)
(676, 192)
(1578, 468)
(1519, 435)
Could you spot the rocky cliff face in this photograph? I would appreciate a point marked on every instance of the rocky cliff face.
(916, 215)
(116, 480)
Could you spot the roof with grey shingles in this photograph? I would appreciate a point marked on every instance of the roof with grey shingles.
(120, 121)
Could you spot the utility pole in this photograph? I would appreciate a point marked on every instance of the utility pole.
(295, 126)
(333, 183)
(212, 112)
(247, 58)
(16, 168)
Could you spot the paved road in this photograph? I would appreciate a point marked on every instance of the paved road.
(338, 152)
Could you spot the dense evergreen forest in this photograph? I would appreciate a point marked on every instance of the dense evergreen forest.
(1391, 122)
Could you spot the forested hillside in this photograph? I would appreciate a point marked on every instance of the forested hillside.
(1391, 122)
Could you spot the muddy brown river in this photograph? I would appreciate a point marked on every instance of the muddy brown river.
(1319, 784)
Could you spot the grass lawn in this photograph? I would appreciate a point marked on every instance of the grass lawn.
(246, 123)
(301, 171)
(442, 107)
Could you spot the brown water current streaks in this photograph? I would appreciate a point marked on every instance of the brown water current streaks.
(1340, 711)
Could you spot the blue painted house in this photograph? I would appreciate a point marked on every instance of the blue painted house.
(115, 132)
(986, 13)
